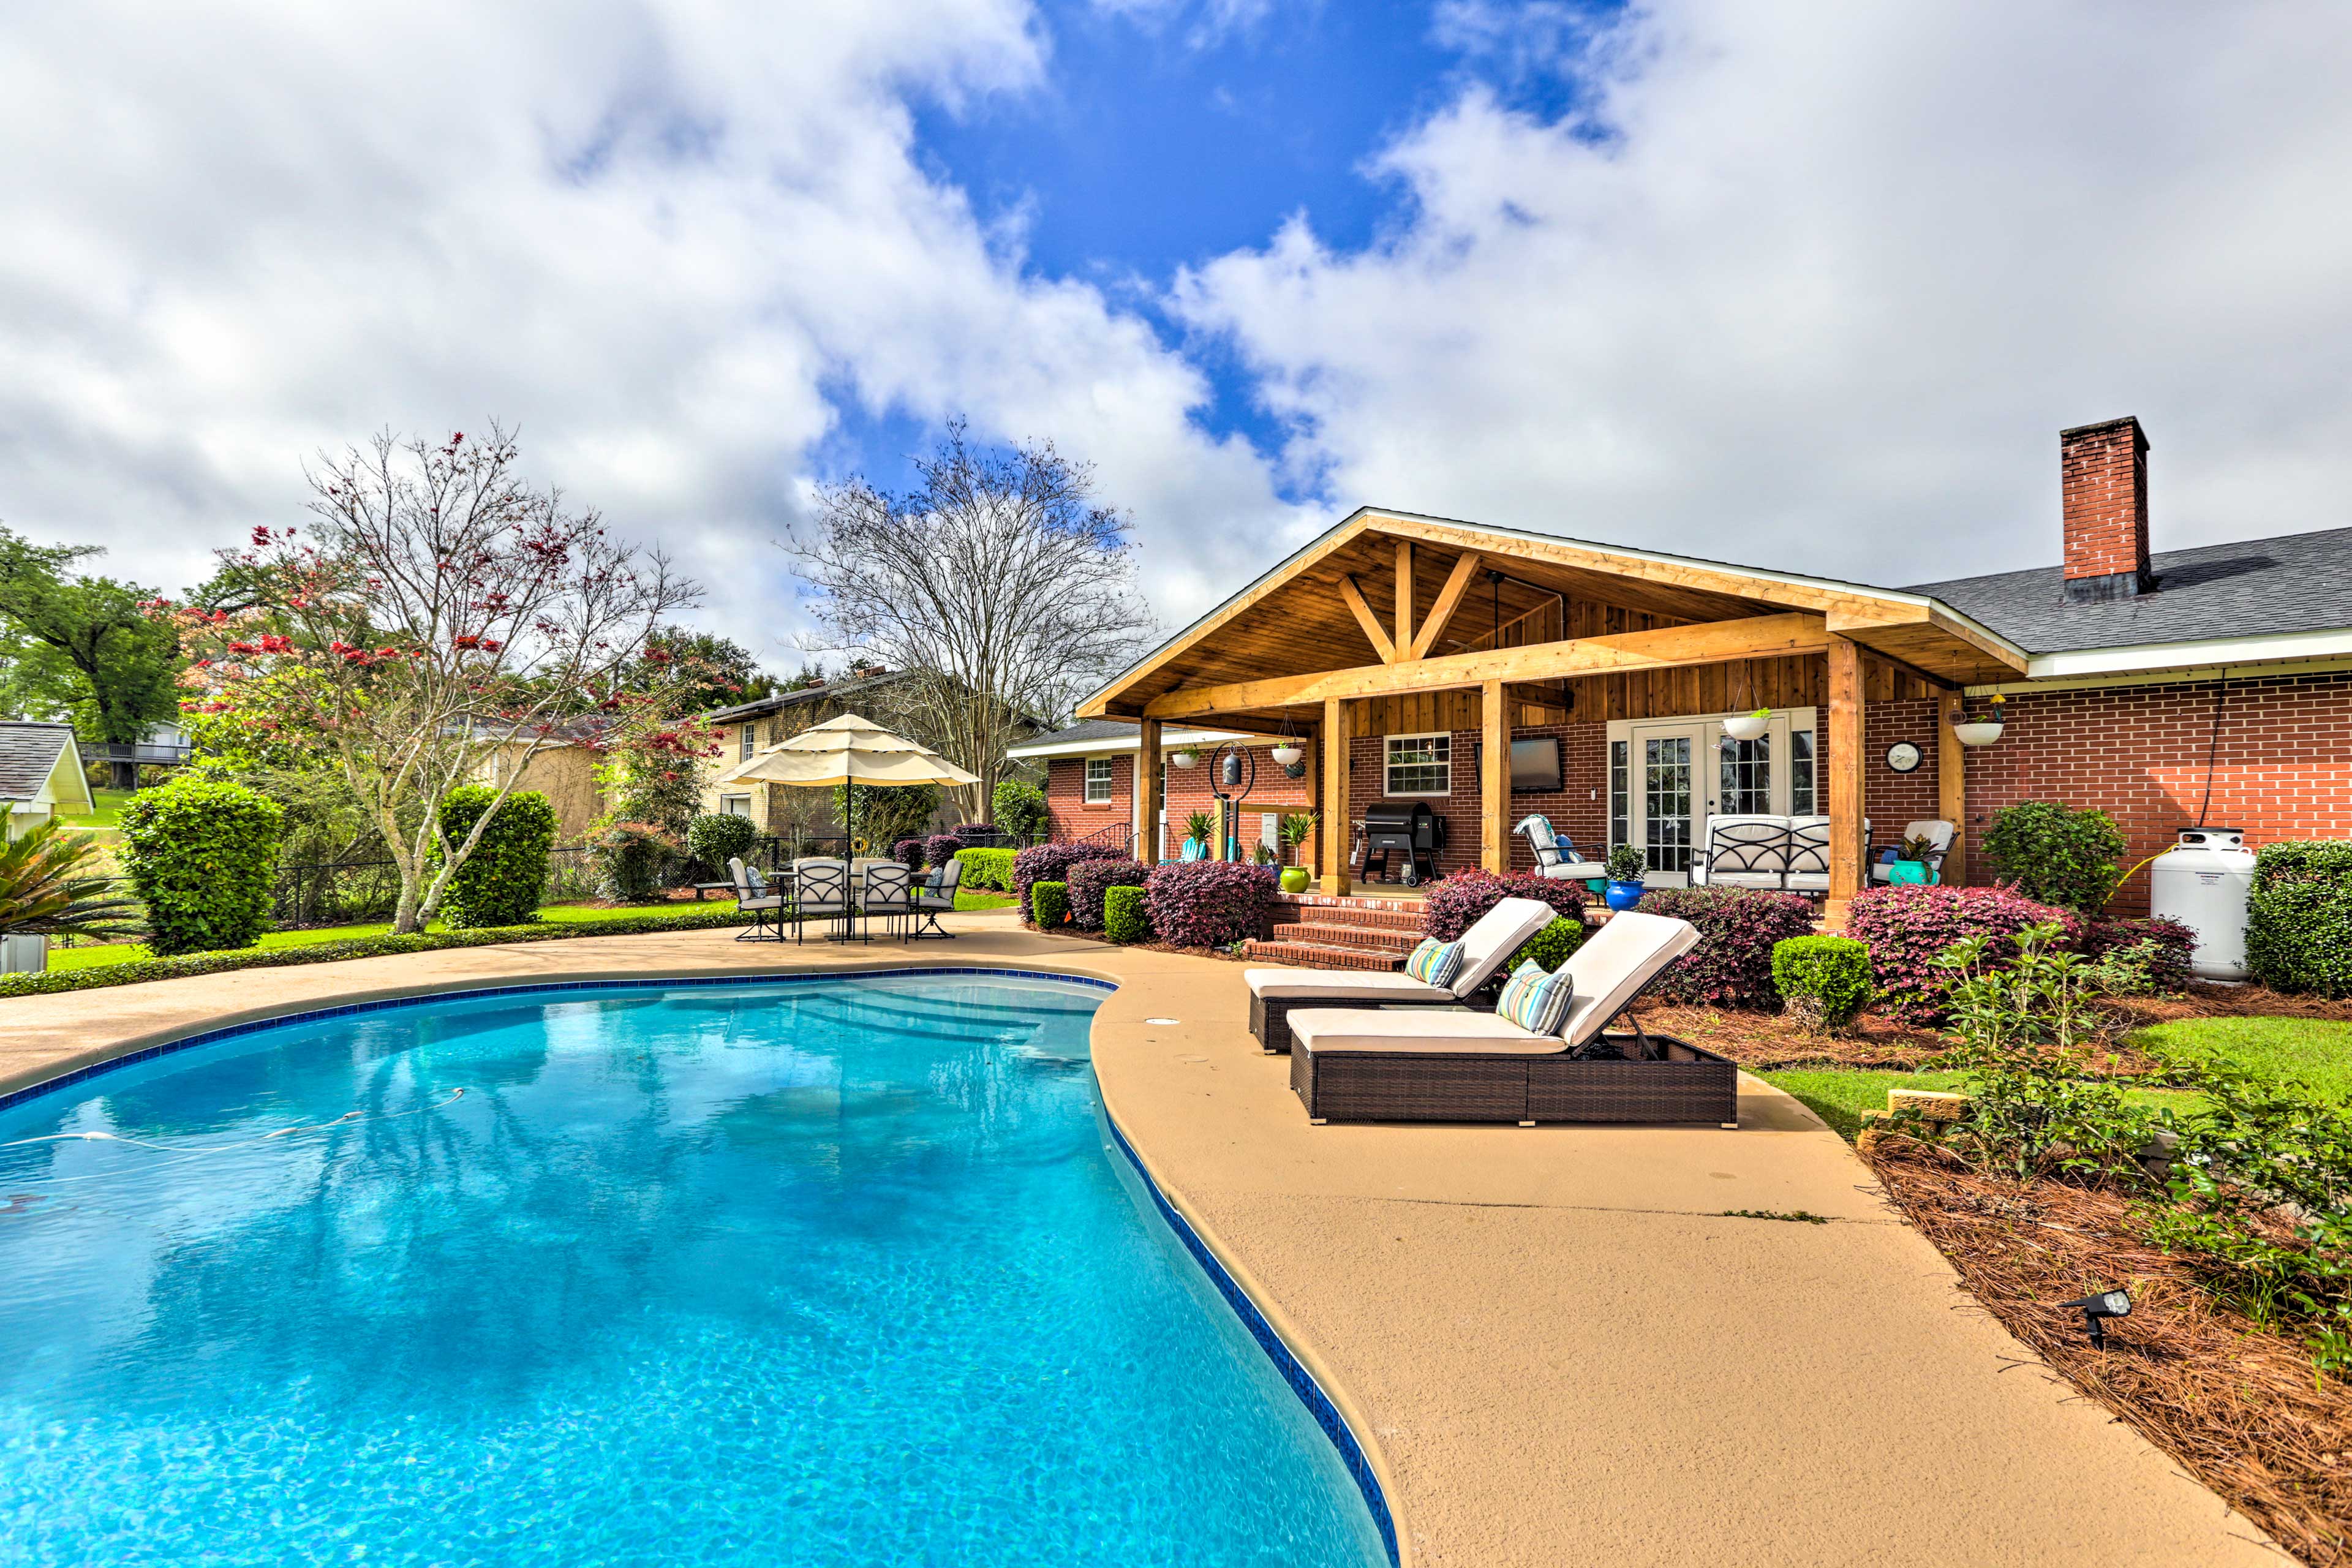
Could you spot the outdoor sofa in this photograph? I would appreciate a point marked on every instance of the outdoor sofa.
(1413, 1064)
(1489, 942)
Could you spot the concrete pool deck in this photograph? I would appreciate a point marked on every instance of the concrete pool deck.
(1558, 1347)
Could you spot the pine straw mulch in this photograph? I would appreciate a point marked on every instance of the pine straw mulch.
(2235, 1406)
(1762, 1042)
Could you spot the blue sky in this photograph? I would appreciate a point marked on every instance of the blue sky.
(1811, 284)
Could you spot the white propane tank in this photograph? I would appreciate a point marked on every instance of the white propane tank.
(2202, 882)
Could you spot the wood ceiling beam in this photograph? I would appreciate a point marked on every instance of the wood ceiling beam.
(1712, 642)
(1373, 630)
(1449, 599)
(1404, 592)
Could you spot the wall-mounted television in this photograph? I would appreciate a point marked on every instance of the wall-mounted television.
(1534, 764)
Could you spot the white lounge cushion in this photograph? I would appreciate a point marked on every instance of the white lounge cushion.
(1613, 965)
(1409, 1029)
(1494, 936)
(1341, 984)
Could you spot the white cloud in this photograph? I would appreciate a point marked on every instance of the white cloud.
(655, 236)
(1816, 284)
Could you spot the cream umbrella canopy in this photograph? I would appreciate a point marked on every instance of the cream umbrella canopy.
(849, 749)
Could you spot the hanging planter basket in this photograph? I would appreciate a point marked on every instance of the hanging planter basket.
(1747, 726)
(1185, 759)
(1976, 731)
(1287, 756)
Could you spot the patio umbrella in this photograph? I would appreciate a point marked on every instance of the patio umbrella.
(849, 749)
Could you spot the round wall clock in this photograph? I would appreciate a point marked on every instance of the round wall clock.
(1903, 757)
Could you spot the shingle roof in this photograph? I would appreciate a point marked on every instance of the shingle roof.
(1106, 730)
(28, 755)
(2252, 587)
(847, 686)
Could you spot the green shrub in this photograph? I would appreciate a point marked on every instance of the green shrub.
(715, 837)
(1124, 917)
(988, 869)
(144, 969)
(1019, 809)
(1824, 980)
(203, 855)
(1550, 947)
(2299, 917)
(1625, 863)
(1049, 904)
(2055, 855)
(501, 881)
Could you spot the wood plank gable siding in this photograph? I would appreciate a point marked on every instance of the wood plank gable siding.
(1799, 681)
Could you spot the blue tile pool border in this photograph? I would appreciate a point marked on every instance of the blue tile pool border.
(1286, 1363)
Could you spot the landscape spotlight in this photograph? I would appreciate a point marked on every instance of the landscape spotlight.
(2097, 1308)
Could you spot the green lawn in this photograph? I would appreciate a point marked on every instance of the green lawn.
(562, 914)
(109, 803)
(2317, 1054)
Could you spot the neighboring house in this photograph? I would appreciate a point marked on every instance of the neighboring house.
(881, 696)
(564, 770)
(41, 772)
(2211, 684)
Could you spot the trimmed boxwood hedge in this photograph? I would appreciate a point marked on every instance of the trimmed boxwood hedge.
(715, 837)
(1049, 904)
(1824, 979)
(2299, 917)
(203, 855)
(144, 969)
(1550, 947)
(503, 880)
(989, 868)
(1125, 918)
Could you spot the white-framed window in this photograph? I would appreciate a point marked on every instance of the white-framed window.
(1098, 781)
(1420, 764)
(734, 805)
(747, 743)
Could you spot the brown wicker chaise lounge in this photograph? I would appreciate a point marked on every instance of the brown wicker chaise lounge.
(1487, 946)
(1409, 1064)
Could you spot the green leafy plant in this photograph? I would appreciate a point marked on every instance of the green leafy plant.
(1125, 918)
(1625, 863)
(502, 881)
(1918, 846)
(2057, 855)
(1824, 981)
(1297, 827)
(1198, 827)
(1049, 904)
(203, 855)
(715, 837)
(2299, 917)
(1550, 947)
(1020, 808)
(48, 888)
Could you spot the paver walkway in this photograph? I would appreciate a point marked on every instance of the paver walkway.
(1559, 1348)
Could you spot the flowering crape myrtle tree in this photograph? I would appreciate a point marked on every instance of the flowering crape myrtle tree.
(441, 614)
(998, 586)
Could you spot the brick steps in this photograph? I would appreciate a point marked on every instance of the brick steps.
(1315, 932)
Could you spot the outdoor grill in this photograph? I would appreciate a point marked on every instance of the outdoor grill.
(1406, 828)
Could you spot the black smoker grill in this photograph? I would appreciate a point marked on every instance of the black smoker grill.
(1406, 828)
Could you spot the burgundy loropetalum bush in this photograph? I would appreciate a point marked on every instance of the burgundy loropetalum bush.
(941, 848)
(2169, 947)
(1046, 863)
(1906, 927)
(1737, 928)
(1090, 880)
(1456, 903)
(909, 852)
(1208, 903)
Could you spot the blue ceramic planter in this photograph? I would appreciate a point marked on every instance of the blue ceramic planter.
(1624, 895)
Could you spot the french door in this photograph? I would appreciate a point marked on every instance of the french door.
(1680, 772)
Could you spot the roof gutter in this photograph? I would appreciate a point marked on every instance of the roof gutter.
(1169, 738)
(2079, 663)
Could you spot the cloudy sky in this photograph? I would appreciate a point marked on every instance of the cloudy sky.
(1811, 283)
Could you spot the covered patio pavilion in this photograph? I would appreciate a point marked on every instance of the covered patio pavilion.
(1397, 625)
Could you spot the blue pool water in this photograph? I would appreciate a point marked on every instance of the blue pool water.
(831, 1273)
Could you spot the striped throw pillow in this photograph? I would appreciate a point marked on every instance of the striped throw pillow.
(1535, 999)
(1434, 962)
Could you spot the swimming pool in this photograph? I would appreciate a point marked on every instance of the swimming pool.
(830, 1272)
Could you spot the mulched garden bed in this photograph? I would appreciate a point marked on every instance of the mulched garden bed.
(2237, 1408)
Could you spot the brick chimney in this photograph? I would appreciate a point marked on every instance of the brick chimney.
(2103, 479)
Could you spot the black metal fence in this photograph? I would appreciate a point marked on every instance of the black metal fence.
(355, 893)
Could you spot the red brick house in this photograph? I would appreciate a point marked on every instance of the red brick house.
(2210, 684)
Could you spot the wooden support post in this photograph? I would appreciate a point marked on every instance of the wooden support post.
(1494, 780)
(1845, 767)
(1149, 796)
(1952, 789)
(1335, 798)
(1403, 596)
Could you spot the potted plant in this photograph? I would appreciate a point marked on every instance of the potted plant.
(1626, 869)
(1910, 863)
(1296, 828)
(1748, 726)
(1978, 725)
(1197, 828)
(47, 889)
(1184, 757)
